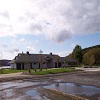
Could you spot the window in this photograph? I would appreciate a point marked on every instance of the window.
(34, 63)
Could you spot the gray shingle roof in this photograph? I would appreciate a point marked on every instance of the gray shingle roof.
(21, 58)
(67, 59)
(31, 58)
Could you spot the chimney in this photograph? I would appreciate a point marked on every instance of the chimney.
(51, 53)
(27, 52)
(22, 52)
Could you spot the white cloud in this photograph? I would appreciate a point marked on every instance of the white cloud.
(29, 48)
(4, 45)
(4, 14)
(23, 41)
(26, 44)
(9, 55)
(16, 50)
(64, 53)
(57, 20)
(16, 47)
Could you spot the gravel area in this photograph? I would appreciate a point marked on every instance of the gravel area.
(84, 78)
(81, 77)
(91, 78)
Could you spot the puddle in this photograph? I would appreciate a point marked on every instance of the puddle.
(75, 89)
(58, 81)
(35, 95)
(70, 88)
(58, 85)
(9, 92)
(17, 84)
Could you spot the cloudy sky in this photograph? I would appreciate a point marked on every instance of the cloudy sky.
(50, 25)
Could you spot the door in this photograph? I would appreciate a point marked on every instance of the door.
(55, 65)
(18, 66)
(59, 64)
(39, 65)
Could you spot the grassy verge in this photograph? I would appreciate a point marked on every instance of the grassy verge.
(43, 72)
(54, 71)
(8, 71)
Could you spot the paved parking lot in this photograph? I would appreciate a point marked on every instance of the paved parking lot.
(89, 69)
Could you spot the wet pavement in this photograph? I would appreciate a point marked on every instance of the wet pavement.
(30, 89)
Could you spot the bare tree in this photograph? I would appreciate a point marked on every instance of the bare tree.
(57, 59)
(41, 59)
(64, 61)
(26, 61)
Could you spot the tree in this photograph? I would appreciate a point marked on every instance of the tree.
(77, 53)
(92, 60)
(92, 57)
(65, 62)
(96, 53)
(26, 63)
(57, 60)
(41, 59)
(89, 58)
(86, 59)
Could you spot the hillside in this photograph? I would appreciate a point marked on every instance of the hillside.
(90, 48)
(4, 62)
(90, 55)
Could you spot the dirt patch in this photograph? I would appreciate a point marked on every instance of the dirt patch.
(58, 95)
(84, 78)
(81, 77)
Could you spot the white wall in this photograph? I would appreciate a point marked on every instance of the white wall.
(27, 66)
(65, 65)
(13, 66)
(44, 65)
(35, 65)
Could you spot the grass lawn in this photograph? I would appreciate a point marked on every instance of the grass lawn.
(8, 71)
(43, 72)
(54, 71)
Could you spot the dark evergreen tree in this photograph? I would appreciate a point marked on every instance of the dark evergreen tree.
(77, 53)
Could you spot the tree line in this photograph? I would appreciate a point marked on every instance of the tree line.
(88, 56)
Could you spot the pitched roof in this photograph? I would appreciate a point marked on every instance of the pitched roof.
(32, 58)
(67, 59)
(23, 57)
